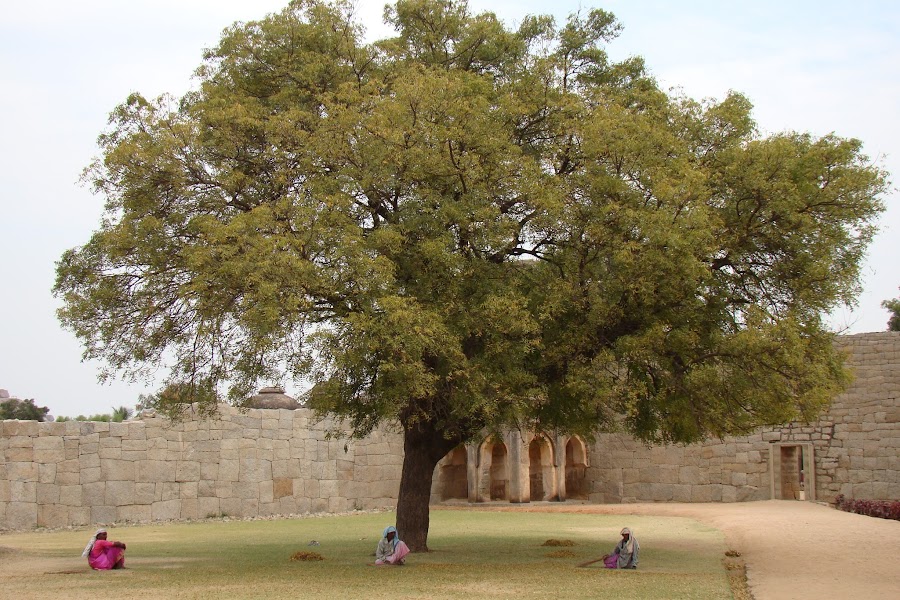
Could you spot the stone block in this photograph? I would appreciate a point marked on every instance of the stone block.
(167, 490)
(119, 493)
(22, 471)
(118, 470)
(12, 428)
(144, 493)
(187, 471)
(706, 493)
(131, 445)
(89, 461)
(165, 510)
(248, 490)
(22, 491)
(661, 492)
(47, 473)
(266, 493)
(110, 454)
(230, 507)
(21, 515)
(188, 490)
(70, 495)
(229, 470)
(93, 493)
(154, 471)
(249, 507)
(135, 514)
(282, 487)
(52, 515)
(104, 514)
(79, 515)
(681, 493)
(208, 507)
(209, 471)
(190, 508)
(47, 493)
(20, 454)
(48, 444)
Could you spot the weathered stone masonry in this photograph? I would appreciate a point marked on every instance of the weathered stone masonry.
(281, 462)
(262, 462)
(852, 449)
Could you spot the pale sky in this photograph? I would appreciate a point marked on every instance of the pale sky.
(816, 66)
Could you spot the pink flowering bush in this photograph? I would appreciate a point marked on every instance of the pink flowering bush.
(884, 509)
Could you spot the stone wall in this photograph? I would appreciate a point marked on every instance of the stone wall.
(261, 462)
(266, 462)
(855, 448)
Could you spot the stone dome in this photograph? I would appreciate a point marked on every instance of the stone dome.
(272, 397)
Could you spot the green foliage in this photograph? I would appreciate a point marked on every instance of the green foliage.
(894, 307)
(469, 227)
(175, 400)
(22, 410)
(122, 413)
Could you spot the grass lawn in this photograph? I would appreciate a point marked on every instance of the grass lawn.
(475, 554)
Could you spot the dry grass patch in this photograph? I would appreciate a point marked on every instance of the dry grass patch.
(552, 542)
(305, 555)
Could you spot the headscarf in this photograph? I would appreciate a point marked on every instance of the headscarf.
(628, 547)
(90, 544)
(389, 529)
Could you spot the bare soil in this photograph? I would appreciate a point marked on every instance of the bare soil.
(792, 550)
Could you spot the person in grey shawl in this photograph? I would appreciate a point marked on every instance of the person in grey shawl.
(625, 554)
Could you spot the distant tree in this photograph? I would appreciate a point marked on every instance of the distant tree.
(122, 413)
(23, 410)
(467, 227)
(894, 307)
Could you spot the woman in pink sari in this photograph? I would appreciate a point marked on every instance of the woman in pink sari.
(103, 554)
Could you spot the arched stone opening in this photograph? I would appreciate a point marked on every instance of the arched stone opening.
(494, 471)
(540, 469)
(576, 468)
(453, 476)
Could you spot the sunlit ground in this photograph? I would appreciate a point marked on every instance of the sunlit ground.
(474, 555)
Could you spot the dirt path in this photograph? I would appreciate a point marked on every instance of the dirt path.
(793, 550)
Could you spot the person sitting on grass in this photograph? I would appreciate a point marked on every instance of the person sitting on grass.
(390, 550)
(103, 554)
(625, 554)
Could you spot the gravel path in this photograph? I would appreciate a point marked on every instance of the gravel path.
(794, 550)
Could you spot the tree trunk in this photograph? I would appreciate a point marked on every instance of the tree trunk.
(423, 447)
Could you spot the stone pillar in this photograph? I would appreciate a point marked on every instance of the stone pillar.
(518, 467)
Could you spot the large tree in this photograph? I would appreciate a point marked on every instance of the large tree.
(467, 227)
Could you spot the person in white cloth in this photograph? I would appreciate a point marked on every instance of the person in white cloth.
(390, 550)
(625, 554)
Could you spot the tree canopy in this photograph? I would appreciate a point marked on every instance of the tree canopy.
(22, 410)
(467, 227)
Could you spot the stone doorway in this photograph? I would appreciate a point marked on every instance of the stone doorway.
(576, 468)
(540, 470)
(792, 470)
(453, 481)
(495, 471)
